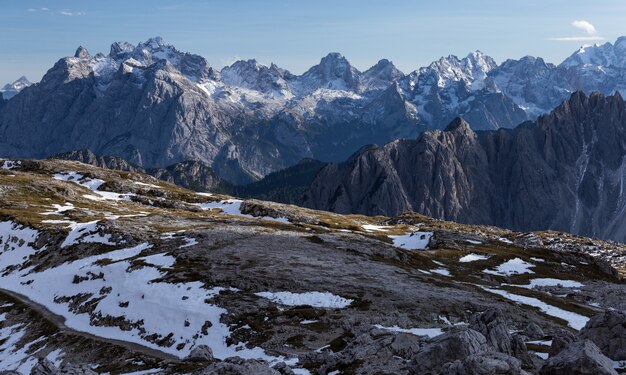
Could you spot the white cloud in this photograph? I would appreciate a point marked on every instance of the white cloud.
(66, 13)
(586, 26)
(31, 10)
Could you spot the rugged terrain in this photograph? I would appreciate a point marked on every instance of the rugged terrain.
(565, 172)
(154, 105)
(118, 272)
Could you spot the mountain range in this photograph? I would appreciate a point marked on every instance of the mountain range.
(565, 171)
(154, 105)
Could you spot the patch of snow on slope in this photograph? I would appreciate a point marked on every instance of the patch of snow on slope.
(12, 356)
(59, 209)
(370, 228)
(473, 257)
(85, 233)
(153, 309)
(552, 282)
(92, 184)
(441, 271)
(574, 320)
(315, 299)
(515, 266)
(233, 207)
(8, 165)
(15, 243)
(412, 241)
(430, 332)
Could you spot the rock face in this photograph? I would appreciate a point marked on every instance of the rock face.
(562, 172)
(155, 106)
(582, 357)
(451, 346)
(608, 332)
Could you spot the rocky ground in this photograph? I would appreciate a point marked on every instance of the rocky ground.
(105, 271)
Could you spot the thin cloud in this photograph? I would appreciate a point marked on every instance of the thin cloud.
(31, 10)
(66, 13)
(579, 39)
(585, 26)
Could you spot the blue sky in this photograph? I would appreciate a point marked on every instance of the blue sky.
(296, 34)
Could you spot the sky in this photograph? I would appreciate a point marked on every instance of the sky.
(34, 34)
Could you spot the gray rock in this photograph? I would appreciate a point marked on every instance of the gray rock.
(493, 326)
(456, 344)
(533, 331)
(200, 353)
(560, 340)
(490, 363)
(581, 357)
(608, 331)
(239, 366)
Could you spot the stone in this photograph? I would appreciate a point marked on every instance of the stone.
(560, 340)
(608, 331)
(451, 346)
(489, 363)
(581, 358)
(200, 353)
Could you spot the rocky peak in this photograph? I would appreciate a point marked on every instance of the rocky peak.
(333, 72)
(120, 48)
(81, 52)
(11, 89)
(252, 75)
(381, 75)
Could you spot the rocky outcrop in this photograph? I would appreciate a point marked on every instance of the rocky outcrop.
(190, 174)
(581, 357)
(455, 345)
(200, 353)
(562, 172)
(239, 366)
(490, 363)
(608, 331)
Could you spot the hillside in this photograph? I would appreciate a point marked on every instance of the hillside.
(118, 272)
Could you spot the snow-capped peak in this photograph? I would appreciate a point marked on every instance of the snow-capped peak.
(11, 89)
(605, 55)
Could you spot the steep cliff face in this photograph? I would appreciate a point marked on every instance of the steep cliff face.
(565, 172)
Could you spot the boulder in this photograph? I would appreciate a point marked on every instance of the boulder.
(533, 331)
(488, 363)
(453, 345)
(560, 340)
(200, 353)
(608, 331)
(581, 358)
(492, 325)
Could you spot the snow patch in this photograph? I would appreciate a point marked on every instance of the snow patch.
(574, 320)
(473, 257)
(515, 266)
(412, 241)
(315, 299)
(430, 332)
